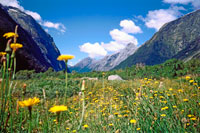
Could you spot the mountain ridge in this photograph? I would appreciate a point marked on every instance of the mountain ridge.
(168, 42)
(39, 51)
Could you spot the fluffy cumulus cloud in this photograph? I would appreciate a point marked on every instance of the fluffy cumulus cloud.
(35, 15)
(112, 46)
(94, 50)
(120, 38)
(13, 3)
(195, 3)
(177, 1)
(57, 26)
(130, 27)
(157, 18)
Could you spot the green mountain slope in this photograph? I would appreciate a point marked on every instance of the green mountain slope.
(177, 39)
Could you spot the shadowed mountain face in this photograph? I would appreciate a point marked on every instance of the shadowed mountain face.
(39, 51)
(105, 64)
(177, 39)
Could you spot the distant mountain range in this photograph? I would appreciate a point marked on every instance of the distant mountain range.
(105, 64)
(39, 51)
(177, 39)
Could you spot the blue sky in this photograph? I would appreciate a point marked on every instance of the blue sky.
(97, 28)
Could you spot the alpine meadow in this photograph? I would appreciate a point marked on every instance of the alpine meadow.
(144, 78)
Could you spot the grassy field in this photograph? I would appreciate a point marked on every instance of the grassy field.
(138, 105)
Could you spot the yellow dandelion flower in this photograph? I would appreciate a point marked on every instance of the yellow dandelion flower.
(195, 84)
(120, 116)
(191, 81)
(125, 115)
(161, 97)
(67, 128)
(116, 113)
(133, 121)
(138, 129)
(15, 46)
(86, 126)
(74, 131)
(190, 115)
(180, 90)
(174, 106)
(110, 124)
(193, 119)
(185, 100)
(164, 108)
(10, 34)
(30, 102)
(58, 108)
(65, 57)
(170, 89)
(163, 115)
(2, 53)
(187, 77)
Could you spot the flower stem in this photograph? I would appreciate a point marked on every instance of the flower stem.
(83, 107)
(66, 78)
(30, 118)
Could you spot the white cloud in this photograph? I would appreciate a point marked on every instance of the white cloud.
(195, 3)
(157, 18)
(57, 26)
(35, 15)
(112, 46)
(122, 37)
(13, 3)
(130, 27)
(178, 1)
(94, 50)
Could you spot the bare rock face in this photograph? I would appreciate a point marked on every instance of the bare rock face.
(114, 77)
(39, 51)
(110, 61)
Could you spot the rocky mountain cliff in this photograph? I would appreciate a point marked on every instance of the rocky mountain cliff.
(83, 65)
(107, 63)
(39, 51)
(177, 39)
